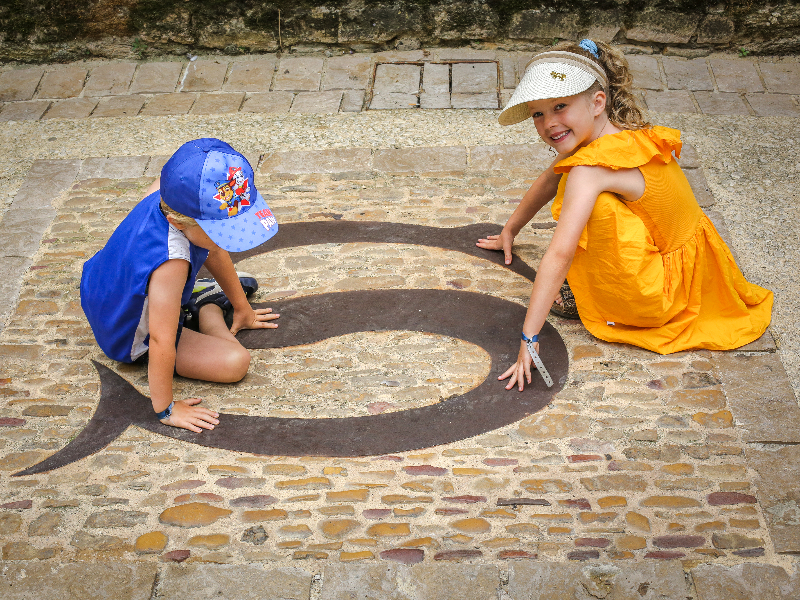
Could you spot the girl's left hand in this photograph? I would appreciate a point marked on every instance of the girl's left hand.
(258, 318)
(521, 370)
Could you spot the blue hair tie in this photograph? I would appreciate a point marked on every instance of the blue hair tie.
(589, 46)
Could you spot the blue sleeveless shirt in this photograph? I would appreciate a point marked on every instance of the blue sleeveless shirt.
(114, 281)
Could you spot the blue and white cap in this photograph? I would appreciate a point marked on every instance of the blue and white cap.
(210, 182)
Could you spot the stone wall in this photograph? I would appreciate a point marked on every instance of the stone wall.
(54, 30)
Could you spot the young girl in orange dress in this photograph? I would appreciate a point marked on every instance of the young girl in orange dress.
(644, 264)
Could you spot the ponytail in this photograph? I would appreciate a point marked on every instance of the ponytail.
(622, 106)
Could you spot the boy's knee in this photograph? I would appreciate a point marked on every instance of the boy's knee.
(238, 364)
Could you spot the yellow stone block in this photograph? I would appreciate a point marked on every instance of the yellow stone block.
(499, 513)
(631, 542)
(193, 514)
(256, 516)
(501, 542)
(611, 501)
(670, 502)
(389, 530)
(403, 499)
(459, 538)
(358, 495)
(309, 483)
(353, 556)
(337, 529)
(427, 542)
(710, 526)
(744, 523)
(472, 525)
(408, 512)
(638, 521)
(227, 469)
(559, 530)
(678, 469)
(722, 419)
(151, 543)
(279, 469)
(334, 471)
(471, 472)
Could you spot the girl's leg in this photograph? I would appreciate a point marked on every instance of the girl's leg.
(214, 354)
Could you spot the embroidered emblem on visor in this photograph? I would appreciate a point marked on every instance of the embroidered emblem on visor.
(559, 76)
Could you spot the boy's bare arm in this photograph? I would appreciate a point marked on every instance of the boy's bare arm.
(164, 306)
(220, 265)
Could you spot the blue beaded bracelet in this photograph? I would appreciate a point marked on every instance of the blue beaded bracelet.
(533, 339)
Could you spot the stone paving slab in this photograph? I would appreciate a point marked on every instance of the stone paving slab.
(385, 78)
(53, 581)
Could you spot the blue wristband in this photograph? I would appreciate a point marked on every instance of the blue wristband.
(532, 340)
(166, 413)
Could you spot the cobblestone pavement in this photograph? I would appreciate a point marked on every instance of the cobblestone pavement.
(645, 477)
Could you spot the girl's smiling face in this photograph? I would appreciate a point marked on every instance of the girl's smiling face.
(570, 123)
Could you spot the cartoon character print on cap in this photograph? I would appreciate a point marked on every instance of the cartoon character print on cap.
(233, 193)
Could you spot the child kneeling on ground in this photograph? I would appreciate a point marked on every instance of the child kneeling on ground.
(645, 265)
(140, 288)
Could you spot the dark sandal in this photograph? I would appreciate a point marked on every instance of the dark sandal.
(568, 309)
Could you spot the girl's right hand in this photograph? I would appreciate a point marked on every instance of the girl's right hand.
(498, 242)
(187, 415)
(521, 370)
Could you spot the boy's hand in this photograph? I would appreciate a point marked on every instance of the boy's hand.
(498, 242)
(521, 370)
(187, 415)
(258, 318)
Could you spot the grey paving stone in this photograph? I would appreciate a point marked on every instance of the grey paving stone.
(66, 82)
(721, 226)
(421, 160)
(464, 53)
(353, 100)
(687, 74)
(251, 76)
(22, 232)
(397, 79)
(204, 76)
(119, 106)
(436, 79)
(689, 159)
(736, 75)
(508, 69)
(702, 192)
(393, 101)
(317, 102)
(773, 105)
(122, 167)
(233, 582)
(474, 78)
(747, 581)
(19, 84)
(759, 396)
(400, 56)
(299, 74)
(434, 100)
(156, 77)
(220, 103)
(419, 582)
(783, 78)
(268, 102)
(535, 157)
(554, 581)
(778, 469)
(347, 72)
(670, 101)
(337, 160)
(12, 270)
(91, 581)
(155, 165)
(485, 100)
(176, 103)
(111, 79)
(645, 71)
(721, 103)
(71, 108)
(24, 111)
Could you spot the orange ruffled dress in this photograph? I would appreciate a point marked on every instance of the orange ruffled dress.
(655, 273)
